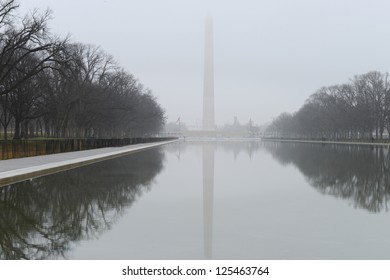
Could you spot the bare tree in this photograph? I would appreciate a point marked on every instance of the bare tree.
(75, 90)
(25, 99)
(357, 109)
(22, 38)
(7, 8)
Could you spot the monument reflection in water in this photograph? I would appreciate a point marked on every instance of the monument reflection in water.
(359, 175)
(208, 198)
(212, 200)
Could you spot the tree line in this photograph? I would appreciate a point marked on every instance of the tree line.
(52, 87)
(359, 109)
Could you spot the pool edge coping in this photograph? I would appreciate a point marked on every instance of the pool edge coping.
(25, 173)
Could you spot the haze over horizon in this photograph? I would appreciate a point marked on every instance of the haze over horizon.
(269, 56)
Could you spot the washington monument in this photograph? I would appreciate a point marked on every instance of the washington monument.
(208, 82)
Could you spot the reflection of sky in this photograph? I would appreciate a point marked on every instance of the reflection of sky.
(262, 210)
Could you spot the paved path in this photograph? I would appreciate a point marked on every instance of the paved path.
(327, 142)
(16, 170)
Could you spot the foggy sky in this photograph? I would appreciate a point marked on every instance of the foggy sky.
(269, 55)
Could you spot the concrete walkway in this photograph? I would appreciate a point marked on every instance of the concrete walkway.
(16, 170)
(327, 142)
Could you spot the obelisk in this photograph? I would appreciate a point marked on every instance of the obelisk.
(208, 82)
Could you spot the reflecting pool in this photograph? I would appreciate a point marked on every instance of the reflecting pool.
(207, 200)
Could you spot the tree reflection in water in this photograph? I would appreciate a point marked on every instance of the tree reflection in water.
(40, 218)
(358, 173)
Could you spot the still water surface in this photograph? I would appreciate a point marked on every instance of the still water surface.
(207, 200)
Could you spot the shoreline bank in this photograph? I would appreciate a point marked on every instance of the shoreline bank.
(20, 169)
(326, 142)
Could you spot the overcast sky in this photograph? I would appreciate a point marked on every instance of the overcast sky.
(269, 55)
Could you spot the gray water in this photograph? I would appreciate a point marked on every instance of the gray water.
(207, 200)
